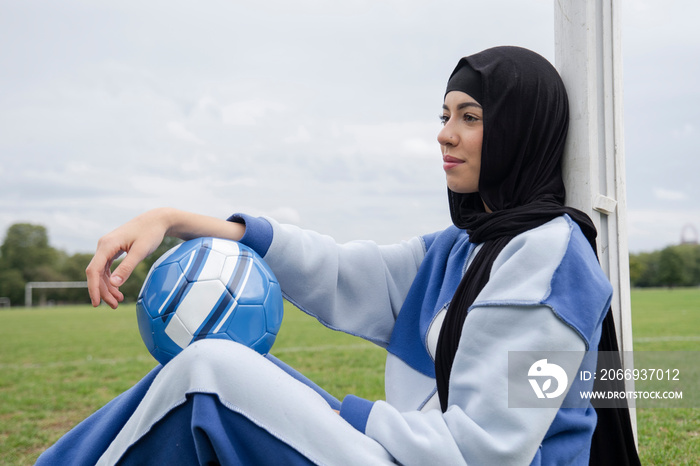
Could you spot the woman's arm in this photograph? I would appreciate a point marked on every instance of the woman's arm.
(140, 237)
(357, 287)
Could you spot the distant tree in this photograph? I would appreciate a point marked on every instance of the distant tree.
(677, 265)
(26, 249)
(637, 268)
(691, 263)
(644, 269)
(12, 286)
(73, 267)
(671, 268)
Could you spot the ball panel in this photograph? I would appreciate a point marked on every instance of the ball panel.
(247, 324)
(237, 273)
(163, 356)
(265, 269)
(264, 344)
(212, 266)
(177, 333)
(163, 285)
(193, 262)
(226, 247)
(144, 322)
(255, 288)
(218, 316)
(274, 308)
(199, 301)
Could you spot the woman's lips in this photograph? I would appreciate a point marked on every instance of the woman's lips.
(449, 162)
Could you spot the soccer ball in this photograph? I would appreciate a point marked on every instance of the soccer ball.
(208, 288)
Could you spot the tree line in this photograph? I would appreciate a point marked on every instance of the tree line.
(27, 256)
(672, 266)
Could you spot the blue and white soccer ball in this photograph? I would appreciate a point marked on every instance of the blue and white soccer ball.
(208, 288)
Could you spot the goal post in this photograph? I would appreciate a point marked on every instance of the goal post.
(588, 55)
(43, 285)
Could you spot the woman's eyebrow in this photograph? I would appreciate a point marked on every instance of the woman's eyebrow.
(464, 105)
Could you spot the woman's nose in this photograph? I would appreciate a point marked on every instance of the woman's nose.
(446, 136)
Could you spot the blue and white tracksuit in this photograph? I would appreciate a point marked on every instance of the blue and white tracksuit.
(221, 400)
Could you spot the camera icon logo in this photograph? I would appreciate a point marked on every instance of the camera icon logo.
(546, 372)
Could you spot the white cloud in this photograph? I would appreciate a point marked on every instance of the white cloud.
(301, 136)
(246, 182)
(421, 147)
(178, 130)
(249, 112)
(687, 130)
(285, 215)
(392, 140)
(669, 194)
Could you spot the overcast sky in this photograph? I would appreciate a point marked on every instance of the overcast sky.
(320, 113)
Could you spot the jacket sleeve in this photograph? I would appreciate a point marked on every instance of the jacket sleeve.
(478, 427)
(512, 314)
(357, 287)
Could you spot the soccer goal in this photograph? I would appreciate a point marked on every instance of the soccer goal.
(29, 287)
(588, 55)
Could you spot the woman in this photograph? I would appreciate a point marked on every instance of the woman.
(532, 283)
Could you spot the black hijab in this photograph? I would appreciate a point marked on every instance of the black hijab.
(526, 117)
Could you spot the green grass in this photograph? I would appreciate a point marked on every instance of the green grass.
(58, 365)
(667, 320)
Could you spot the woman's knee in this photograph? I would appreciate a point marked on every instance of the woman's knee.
(207, 361)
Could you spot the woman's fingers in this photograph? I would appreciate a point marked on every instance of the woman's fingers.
(113, 291)
(103, 284)
(94, 273)
(106, 295)
(98, 273)
(138, 252)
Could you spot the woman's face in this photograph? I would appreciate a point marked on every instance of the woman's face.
(460, 141)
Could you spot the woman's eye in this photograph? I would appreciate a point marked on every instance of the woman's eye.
(470, 118)
(444, 119)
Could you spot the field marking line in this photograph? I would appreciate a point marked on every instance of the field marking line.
(78, 362)
(105, 361)
(666, 338)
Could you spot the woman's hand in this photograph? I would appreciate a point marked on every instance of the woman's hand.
(140, 237)
(137, 238)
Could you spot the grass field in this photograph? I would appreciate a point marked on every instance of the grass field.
(58, 365)
(667, 320)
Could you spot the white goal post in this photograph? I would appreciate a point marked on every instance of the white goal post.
(588, 55)
(31, 285)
